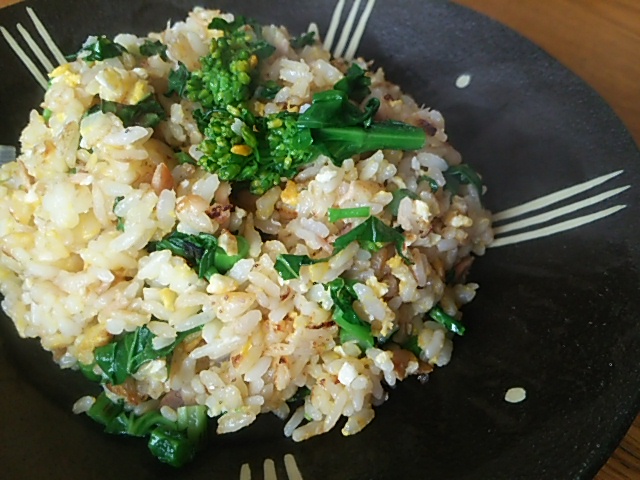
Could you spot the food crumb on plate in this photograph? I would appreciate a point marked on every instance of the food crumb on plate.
(515, 395)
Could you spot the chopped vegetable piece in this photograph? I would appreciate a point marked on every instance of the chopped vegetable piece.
(46, 114)
(268, 90)
(102, 49)
(303, 40)
(201, 251)
(104, 411)
(146, 113)
(178, 79)
(398, 195)
(288, 265)
(171, 447)
(223, 261)
(336, 214)
(372, 235)
(412, 345)
(122, 358)
(355, 83)
(462, 174)
(433, 185)
(351, 325)
(150, 48)
(184, 157)
(301, 394)
(120, 223)
(446, 320)
(172, 442)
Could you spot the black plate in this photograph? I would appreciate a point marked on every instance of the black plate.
(556, 316)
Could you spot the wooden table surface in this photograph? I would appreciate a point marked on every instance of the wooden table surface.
(599, 40)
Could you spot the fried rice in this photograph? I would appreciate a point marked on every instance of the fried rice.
(87, 195)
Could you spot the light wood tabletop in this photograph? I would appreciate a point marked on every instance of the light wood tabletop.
(599, 40)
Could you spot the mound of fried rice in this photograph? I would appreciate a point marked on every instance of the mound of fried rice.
(73, 279)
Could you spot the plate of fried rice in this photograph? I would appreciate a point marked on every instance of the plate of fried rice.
(228, 253)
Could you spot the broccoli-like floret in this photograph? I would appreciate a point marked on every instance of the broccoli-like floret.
(262, 153)
(227, 73)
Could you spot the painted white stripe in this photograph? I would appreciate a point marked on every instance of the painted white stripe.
(24, 58)
(557, 228)
(552, 198)
(333, 25)
(46, 37)
(293, 472)
(269, 470)
(44, 61)
(357, 35)
(558, 212)
(346, 29)
(245, 472)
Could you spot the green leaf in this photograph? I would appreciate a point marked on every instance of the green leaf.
(303, 40)
(398, 195)
(462, 174)
(412, 345)
(433, 185)
(345, 142)
(122, 358)
(171, 447)
(263, 49)
(120, 223)
(223, 262)
(102, 49)
(351, 325)
(372, 235)
(146, 113)
(332, 108)
(446, 320)
(104, 411)
(150, 48)
(268, 90)
(355, 83)
(198, 250)
(288, 265)
(184, 157)
(178, 79)
(336, 214)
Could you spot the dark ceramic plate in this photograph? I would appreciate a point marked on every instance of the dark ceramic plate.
(557, 316)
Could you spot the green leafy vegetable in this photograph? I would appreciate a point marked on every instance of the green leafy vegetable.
(355, 83)
(352, 327)
(301, 394)
(201, 251)
(122, 358)
(372, 235)
(172, 442)
(146, 113)
(336, 214)
(303, 40)
(228, 73)
(184, 157)
(450, 323)
(224, 262)
(268, 90)
(288, 265)
(462, 174)
(412, 345)
(263, 150)
(398, 195)
(46, 115)
(178, 79)
(433, 185)
(150, 48)
(120, 223)
(102, 49)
